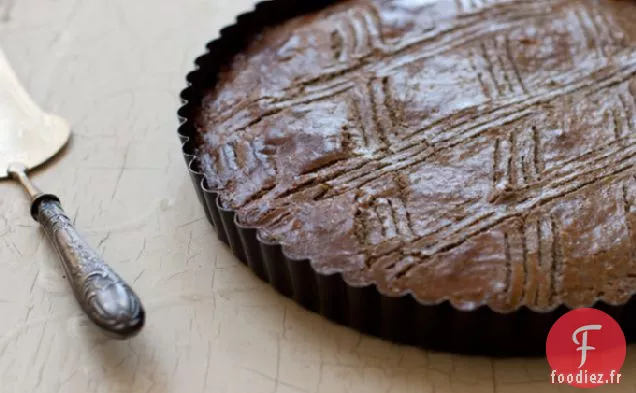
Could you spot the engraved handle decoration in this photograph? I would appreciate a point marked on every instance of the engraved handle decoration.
(107, 300)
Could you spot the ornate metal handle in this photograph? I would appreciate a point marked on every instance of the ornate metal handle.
(107, 300)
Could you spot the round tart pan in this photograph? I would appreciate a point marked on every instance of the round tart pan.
(403, 319)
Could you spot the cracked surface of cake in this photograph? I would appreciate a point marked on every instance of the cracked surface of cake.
(480, 151)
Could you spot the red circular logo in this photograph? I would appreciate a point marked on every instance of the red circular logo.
(586, 348)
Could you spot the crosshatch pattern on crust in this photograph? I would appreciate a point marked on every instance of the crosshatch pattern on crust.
(501, 107)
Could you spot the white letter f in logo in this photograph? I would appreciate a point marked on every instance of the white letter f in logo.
(584, 347)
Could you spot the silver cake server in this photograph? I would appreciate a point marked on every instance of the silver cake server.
(28, 138)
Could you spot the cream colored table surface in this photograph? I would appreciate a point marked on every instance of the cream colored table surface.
(114, 69)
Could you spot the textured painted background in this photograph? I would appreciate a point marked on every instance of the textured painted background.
(114, 69)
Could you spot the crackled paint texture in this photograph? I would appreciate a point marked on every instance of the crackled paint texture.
(114, 70)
